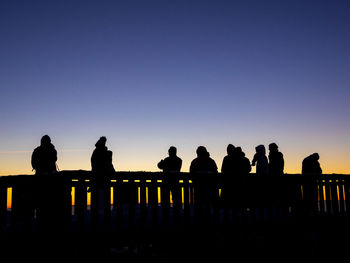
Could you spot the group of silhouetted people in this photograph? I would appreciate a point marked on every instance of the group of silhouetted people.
(44, 160)
(235, 162)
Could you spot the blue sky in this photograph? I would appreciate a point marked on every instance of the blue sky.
(150, 74)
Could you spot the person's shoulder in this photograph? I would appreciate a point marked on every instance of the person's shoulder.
(36, 152)
(178, 158)
(36, 149)
(161, 164)
(195, 160)
(166, 159)
(226, 158)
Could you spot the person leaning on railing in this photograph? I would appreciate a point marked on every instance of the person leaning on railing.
(311, 165)
(172, 163)
(44, 157)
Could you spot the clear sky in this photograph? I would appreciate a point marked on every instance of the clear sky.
(151, 74)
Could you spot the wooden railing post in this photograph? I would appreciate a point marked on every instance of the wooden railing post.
(81, 202)
(3, 204)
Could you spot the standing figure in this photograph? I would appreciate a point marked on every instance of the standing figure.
(260, 160)
(203, 163)
(44, 157)
(204, 171)
(172, 163)
(102, 168)
(51, 193)
(230, 161)
(101, 159)
(276, 161)
(311, 165)
(171, 167)
(244, 167)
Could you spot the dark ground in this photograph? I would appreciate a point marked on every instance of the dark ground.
(314, 239)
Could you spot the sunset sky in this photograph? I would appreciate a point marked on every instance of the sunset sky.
(151, 74)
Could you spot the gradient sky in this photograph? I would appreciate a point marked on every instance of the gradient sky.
(151, 74)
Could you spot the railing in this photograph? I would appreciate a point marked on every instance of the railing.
(172, 216)
(145, 200)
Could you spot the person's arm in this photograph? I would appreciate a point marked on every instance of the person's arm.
(161, 164)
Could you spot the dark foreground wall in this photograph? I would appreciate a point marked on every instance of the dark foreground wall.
(165, 215)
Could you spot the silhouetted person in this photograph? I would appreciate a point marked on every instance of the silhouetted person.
(44, 157)
(204, 171)
(260, 160)
(234, 166)
(276, 161)
(110, 168)
(244, 166)
(230, 161)
(203, 163)
(172, 163)
(101, 159)
(52, 193)
(102, 168)
(311, 165)
(171, 166)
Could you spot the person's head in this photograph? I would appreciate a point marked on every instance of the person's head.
(202, 151)
(230, 149)
(273, 147)
(172, 151)
(315, 156)
(101, 142)
(45, 140)
(260, 149)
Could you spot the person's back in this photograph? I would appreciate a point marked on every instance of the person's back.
(205, 184)
(244, 166)
(260, 160)
(101, 162)
(172, 163)
(100, 157)
(310, 165)
(44, 157)
(276, 160)
(203, 163)
(110, 167)
(230, 161)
